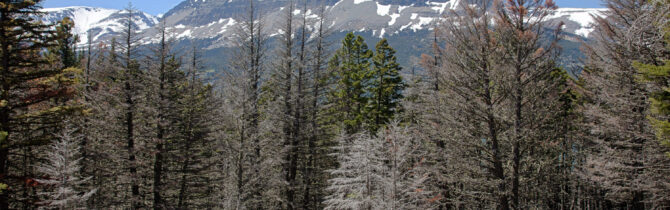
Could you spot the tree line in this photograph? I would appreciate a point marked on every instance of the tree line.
(294, 121)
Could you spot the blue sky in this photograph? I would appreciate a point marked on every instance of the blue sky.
(155, 7)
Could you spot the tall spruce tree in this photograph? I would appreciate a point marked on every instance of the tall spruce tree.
(350, 68)
(318, 141)
(67, 48)
(465, 114)
(131, 78)
(385, 87)
(165, 78)
(192, 149)
(528, 59)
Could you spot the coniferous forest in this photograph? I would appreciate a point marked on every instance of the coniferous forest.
(491, 120)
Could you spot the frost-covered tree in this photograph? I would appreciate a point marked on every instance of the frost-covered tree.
(405, 176)
(357, 182)
(61, 171)
(385, 171)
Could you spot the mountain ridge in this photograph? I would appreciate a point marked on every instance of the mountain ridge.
(386, 20)
(102, 23)
(209, 23)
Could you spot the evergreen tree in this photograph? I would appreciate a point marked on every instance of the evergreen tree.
(191, 152)
(385, 87)
(528, 59)
(165, 79)
(350, 67)
(103, 130)
(253, 151)
(660, 108)
(67, 44)
(121, 123)
(282, 107)
(26, 89)
(464, 120)
(319, 140)
(131, 79)
(658, 75)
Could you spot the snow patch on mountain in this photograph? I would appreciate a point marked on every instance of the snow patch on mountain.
(439, 7)
(216, 20)
(383, 10)
(394, 17)
(99, 22)
(85, 17)
(578, 20)
(579, 15)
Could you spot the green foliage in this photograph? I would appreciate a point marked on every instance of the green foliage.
(659, 99)
(66, 44)
(659, 75)
(569, 97)
(3, 136)
(32, 105)
(385, 87)
(364, 96)
(350, 68)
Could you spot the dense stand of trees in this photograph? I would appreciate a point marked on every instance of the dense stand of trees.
(296, 122)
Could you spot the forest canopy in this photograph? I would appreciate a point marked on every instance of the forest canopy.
(491, 120)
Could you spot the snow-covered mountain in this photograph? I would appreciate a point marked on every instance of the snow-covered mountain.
(577, 21)
(102, 23)
(213, 19)
(210, 23)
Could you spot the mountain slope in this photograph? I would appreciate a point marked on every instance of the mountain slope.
(103, 24)
(210, 23)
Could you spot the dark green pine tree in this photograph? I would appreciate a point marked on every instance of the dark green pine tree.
(349, 68)
(193, 154)
(384, 88)
(165, 91)
(67, 44)
(64, 53)
(26, 91)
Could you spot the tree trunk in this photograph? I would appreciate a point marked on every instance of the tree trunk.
(4, 113)
(130, 124)
(158, 157)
